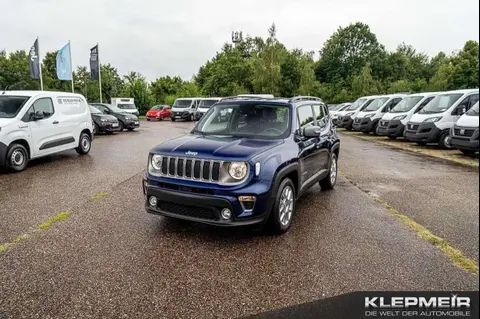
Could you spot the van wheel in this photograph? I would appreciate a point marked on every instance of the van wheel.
(445, 141)
(17, 158)
(329, 182)
(85, 144)
(284, 208)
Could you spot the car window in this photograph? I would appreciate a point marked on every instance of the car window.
(427, 100)
(473, 101)
(43, 106)
(305, 115)
(319, 114)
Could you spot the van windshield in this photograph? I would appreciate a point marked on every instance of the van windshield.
(126, 106)
(206, 104)
(376, 104)
(441, 103)
(356, 105)
(406, 104)
(182, 104)
(11, 105)
(474, 110)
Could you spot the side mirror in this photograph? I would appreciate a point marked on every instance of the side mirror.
(461, 110)
(39, 116)
(312, 131)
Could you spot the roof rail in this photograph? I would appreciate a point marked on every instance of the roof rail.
(236, 97)
(304, 98)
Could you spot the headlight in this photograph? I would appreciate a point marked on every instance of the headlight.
(369, 115)
(433, 119)
(399, 118)
(103, 120)
(237, 170)
(157, 162)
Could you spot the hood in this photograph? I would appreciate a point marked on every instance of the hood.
(5, 122)
(154, 111)
(361, 115)
(466, 121)
(420, 118)
(216, 147)
(104, 116)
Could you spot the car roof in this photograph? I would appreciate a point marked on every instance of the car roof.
(35, 93)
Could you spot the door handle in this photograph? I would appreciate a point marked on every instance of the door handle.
(55, 122)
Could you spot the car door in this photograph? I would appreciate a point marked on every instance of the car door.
(323, 142)
(307, 147)
(42, 120)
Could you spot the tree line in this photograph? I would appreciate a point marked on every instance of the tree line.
(352, 63)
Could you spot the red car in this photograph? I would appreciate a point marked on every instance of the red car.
(159, 112)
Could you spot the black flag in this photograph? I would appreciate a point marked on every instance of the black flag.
(34, 61)
(94, 63)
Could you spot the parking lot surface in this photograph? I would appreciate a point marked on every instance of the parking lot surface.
(111, 259)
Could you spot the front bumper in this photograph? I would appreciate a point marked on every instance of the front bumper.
(393, 128)
(465, 138)
(345, 122)
(204, 206)
(132, 124)
(3, 154)
(182, 115)
(108, 127)
(424, 132)
(364, 125)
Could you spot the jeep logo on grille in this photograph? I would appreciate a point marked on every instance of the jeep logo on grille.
(190, 153)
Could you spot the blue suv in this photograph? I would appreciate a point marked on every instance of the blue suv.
(246, 162)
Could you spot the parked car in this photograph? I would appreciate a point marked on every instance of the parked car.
(336, 110)
(367, 120)
(346, 117)
(159, 113)
(125, 104)
(185, 108)
(434, 122)
(249, 169)
(465, 134)
(204, 106)
(34, 124)
(125, 120)
(103, 123)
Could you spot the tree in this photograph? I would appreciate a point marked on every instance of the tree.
(465, 67)
(136, 87)
(363, 84)
(165, 86)
(442, 80)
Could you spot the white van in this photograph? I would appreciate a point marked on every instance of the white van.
(367, 120)
(346, 117)
(34, 124)
(185, 108)
(337, 109)
(205, 105)
(127, 105)
(393, 123)
(465, 134)
(434, 122)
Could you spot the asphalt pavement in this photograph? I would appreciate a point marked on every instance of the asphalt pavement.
(111, 259)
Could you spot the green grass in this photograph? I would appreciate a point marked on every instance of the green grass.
(4, 248)
(55, 219)
(21, 239)
(142, 117)
(99, 195)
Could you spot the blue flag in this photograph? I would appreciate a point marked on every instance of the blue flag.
(64, 65)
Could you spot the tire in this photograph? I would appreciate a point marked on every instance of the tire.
(285, 200)
(17, 158)
(84, 144)
(468, 152)
(148, 120)
(121, 126)
(444, 141)
(96, 129)
(329, 182)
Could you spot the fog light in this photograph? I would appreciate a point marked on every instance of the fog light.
(226, 213)
(153, 201)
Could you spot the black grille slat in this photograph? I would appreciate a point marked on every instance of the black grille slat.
(206, 170)
(186, 210)
(196, 169)
(164, 165)
(216, 171)
(180, 167)
(171, 166)
(188, 169)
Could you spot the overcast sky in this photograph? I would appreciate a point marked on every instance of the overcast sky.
(176, 37)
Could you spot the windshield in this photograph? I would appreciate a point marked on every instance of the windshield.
(11, 105)
(206, 104)
(473, 111)
(337, 107)
(157, 108)
(182, 104)
(441, 103)
(94, 110)
(406, 104)
(356, 104)
(246, 120)
(126, 106)
(376, 104)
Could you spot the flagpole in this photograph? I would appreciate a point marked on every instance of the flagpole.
(99, 73)
(40, 65)
(71, 64)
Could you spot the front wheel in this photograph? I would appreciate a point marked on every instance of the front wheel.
(329, 182)
(445, 140)
(121, 126)
(84, 145)
(17, 158)
(284, 208)
(96, 129)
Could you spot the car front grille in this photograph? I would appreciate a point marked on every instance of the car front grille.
(464, 132)
(413, 127)
(191, 168)
(187, 210)
(384, 123)
(357, 120)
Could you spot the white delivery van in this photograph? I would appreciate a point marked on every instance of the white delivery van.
(367, 120)
(34, 124)
(185, 108)
(434, 122)
(393, 123)
(337, 109)
(346, 117)
(205, 105)
(465, 134)
(125, 104)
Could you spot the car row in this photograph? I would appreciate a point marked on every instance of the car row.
(108, 118)
(424, 118)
